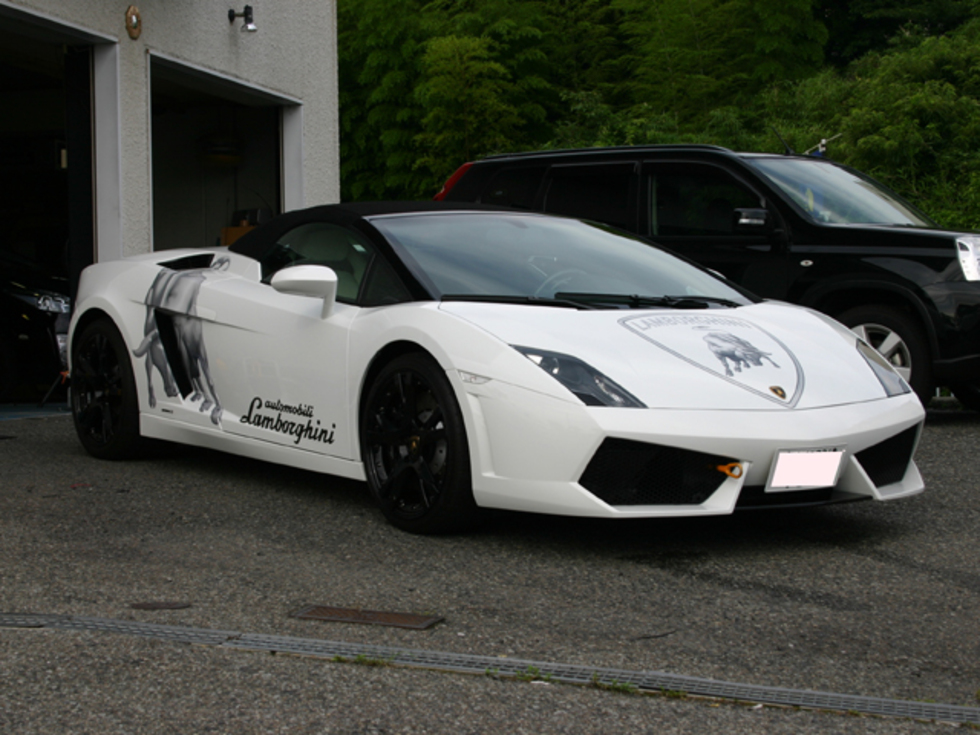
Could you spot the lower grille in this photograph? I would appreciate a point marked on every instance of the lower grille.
(624, 472)
(887, 461)
(755, 496)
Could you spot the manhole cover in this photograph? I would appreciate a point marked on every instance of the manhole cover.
(369, 617)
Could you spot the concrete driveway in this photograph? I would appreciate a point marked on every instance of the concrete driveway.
(875, 600)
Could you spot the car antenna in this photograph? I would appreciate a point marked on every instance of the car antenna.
(789, 151)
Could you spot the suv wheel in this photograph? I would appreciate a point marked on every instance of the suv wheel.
(899, 340)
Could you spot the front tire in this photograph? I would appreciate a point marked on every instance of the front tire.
(414, 446)
(104, 403)
(899, 340)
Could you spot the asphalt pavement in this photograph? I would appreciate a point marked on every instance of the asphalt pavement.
(878, 600)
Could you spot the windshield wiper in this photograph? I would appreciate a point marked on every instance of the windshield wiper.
(634, 301)
(531, 300)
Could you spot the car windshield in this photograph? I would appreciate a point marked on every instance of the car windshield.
(838, 195)
(536, 256)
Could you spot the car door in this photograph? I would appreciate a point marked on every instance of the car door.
(279, 368)
(709, 215)
(605, 192)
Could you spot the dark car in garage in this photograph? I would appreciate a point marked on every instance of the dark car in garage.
(34, 316)
(796, 228)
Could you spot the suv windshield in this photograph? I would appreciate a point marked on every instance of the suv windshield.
(528, 255)
(837, 195)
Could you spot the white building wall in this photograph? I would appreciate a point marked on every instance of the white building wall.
(293, 54)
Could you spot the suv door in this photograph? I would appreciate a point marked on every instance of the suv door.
(699, 210)
(605, 192)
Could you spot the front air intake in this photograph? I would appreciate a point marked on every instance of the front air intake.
(887, 461)
(624, 472)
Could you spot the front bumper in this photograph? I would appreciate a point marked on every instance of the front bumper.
(530, 452)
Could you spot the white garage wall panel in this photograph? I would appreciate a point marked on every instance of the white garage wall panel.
(290, 58)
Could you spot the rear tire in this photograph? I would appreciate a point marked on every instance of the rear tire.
(104, 403)
(414, 446)
(899, 339)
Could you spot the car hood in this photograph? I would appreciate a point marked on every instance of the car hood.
(766, 356)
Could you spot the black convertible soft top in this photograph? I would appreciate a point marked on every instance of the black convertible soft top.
(256, 243)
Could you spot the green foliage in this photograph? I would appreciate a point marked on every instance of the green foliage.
(859, 26)
(694, 55)
(378, 61)
(910, 118)
(427, 85)
(464, 93)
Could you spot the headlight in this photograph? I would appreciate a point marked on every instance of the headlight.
(890, 380)
(588, 384)
(53, 303)
(968, 247)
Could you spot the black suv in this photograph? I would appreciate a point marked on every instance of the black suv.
(797, 228)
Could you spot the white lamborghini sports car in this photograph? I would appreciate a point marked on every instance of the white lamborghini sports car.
(459, 357)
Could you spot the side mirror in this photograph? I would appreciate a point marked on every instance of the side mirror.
(752, 220)
(316, 281)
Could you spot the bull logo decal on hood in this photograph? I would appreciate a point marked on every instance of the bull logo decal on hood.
(735, 351)
(731, 348)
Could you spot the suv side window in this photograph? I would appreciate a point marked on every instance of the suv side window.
(514, 187)
(691, 200)
(604, 192)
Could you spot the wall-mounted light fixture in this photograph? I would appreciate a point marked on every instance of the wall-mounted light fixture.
(246, 16)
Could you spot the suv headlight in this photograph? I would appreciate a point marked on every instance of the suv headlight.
(968, 248)
(588, 384)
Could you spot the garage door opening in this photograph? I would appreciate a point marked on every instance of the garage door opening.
(45, 157)
(217, 161)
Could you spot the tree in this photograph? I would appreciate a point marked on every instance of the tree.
(464, 94)
(695, 55)
(381, 43)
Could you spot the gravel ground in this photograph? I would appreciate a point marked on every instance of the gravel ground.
(874, 599)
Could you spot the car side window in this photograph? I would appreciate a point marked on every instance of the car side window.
(514, 187)
(601, 192)
(695, 201)
(321, 243)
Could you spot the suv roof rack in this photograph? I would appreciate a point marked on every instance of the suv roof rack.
(611, 149)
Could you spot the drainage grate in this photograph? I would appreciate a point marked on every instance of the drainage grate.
(160, 605)
(651, 681)
(368, 617)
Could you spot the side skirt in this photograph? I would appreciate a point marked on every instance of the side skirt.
(159, 428)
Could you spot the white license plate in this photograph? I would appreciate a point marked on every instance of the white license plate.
(805, 469)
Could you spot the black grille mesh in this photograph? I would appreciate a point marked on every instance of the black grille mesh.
(624, 472)
(887, 461)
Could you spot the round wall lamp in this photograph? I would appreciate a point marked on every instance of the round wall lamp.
(134, 23)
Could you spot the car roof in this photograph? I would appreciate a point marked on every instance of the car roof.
(255, 243)
(602, 150)
(612, 152)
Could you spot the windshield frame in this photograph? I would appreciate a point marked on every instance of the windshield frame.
(859, 184)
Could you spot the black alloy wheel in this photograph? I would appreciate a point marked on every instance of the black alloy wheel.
(414, 447)
(103, 393)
